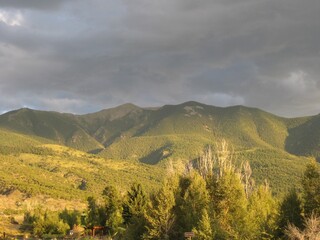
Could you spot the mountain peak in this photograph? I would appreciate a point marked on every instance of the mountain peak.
(116, 112)
(128, 106)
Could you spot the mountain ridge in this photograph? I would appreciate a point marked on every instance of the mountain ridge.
(101, 129)
(278, 148)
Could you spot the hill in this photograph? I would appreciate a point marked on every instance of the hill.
(60, 159)
(243, 127)
(178, 133)
(60, 128)
(34, 173)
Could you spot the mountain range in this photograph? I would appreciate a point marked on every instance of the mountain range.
(165, 128)
(278, 148)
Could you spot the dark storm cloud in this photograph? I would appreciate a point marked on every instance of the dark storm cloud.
(86, 55)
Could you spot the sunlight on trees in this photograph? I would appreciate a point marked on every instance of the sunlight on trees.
(213, 197)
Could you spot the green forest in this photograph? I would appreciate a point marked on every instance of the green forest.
(213, 198)
(135, 173)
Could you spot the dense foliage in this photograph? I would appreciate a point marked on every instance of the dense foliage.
(213, 198)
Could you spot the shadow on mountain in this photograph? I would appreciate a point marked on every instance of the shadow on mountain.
(304, 140)
(157, 155)
(96, 151)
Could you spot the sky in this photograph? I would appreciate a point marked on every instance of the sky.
(82, 56)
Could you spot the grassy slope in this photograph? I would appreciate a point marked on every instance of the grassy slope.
(180, 132)
(185, 129)
(304, 138)
(33, 163)
(34, 171)
(57, 127)
(243, 127)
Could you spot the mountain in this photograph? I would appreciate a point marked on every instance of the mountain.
(277, 147)
(168, 128)
(58, 160)
(304, 138)
(60, 128)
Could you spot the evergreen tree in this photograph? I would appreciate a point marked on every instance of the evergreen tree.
(262, 214)
(311, 189)
(159, 213)
(192, 199)
(290, 211)
(135, 202)
(228, 202)
(72, 218)
(133, 211)
(93, 213)
(94, 216)
(113, 209)
(229, 205)
(43, 223)
(203, 231)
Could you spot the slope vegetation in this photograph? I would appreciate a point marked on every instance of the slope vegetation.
(277, 147)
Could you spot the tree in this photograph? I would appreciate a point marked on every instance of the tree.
(262, 214)
(311, 189)
(204, 231)
(135, 202)
(248, 182)
(95, 215)
(42, 222)
(72, 218)
(228, 202)
(192, 199)
(311, 229)
(229, 205)
(290, 211)
(133, 211)
(160, 213)
(113, 209)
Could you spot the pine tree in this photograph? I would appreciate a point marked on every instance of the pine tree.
(228, 202)
(72, 218)
(262, 214)
(229, 205)
(311, 189)
(203, 231)
(159, 214)
(135, 202)
(290, 211)
(133, 211)
(192, 199)
(113, 209)
(94, 215)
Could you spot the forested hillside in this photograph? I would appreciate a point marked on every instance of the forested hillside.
(51, 157)
(174, 125)
(277, 147)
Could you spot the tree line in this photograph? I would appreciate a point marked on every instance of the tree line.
(212, 198)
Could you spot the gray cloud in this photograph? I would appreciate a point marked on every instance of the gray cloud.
(32, 4)
(84, 56)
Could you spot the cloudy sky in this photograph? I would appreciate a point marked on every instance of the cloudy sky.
(81, 56)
